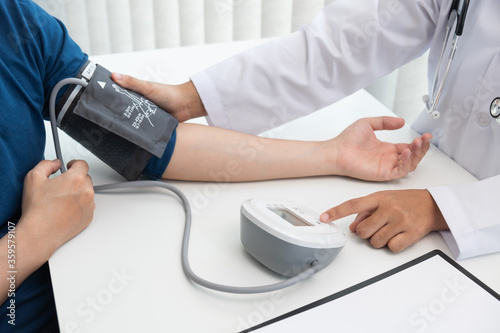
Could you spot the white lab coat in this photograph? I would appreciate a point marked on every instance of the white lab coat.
(349, 45)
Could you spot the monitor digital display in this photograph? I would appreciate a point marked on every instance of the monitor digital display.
(288, 216)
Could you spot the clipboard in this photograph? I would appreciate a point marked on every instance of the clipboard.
(431, 293)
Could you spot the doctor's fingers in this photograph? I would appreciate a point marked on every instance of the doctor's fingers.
(142, 87)
(360, 205)
(376, 228)
(359, 218)
(404, 239)
(398, 234)
(389, 203)
(391, 228)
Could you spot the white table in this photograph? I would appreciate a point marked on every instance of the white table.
(123, 273)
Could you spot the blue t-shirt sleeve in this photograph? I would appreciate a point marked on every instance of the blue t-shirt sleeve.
(57, 56)
(64, 63)
(157, 166)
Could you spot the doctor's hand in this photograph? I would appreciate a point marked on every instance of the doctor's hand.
(361, 155)
(181, 101)
(397, 219)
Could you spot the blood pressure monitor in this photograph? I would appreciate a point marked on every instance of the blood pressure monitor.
(287, 237)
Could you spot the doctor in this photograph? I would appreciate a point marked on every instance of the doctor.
(349, 45)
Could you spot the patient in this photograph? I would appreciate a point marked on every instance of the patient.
(40, 212)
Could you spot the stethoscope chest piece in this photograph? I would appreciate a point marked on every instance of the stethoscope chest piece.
(430, 109)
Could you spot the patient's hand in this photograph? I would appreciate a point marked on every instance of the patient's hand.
(359, 154)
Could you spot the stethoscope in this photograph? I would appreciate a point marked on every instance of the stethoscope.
(456, 18)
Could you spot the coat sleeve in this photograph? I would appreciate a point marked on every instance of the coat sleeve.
(349, 45)
(469, 210)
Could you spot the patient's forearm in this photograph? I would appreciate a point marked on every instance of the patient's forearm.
(204, 153)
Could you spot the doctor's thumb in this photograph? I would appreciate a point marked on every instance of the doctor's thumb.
(131, 83)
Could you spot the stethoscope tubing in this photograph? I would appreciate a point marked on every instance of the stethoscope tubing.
(454, 18)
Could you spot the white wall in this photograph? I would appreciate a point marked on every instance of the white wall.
(110, 26)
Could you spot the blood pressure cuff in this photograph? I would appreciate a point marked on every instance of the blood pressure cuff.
(122, 128)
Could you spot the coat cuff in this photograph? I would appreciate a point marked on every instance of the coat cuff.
(460, 239)
(211, 100)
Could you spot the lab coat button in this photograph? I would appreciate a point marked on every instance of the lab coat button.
(483, 119)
